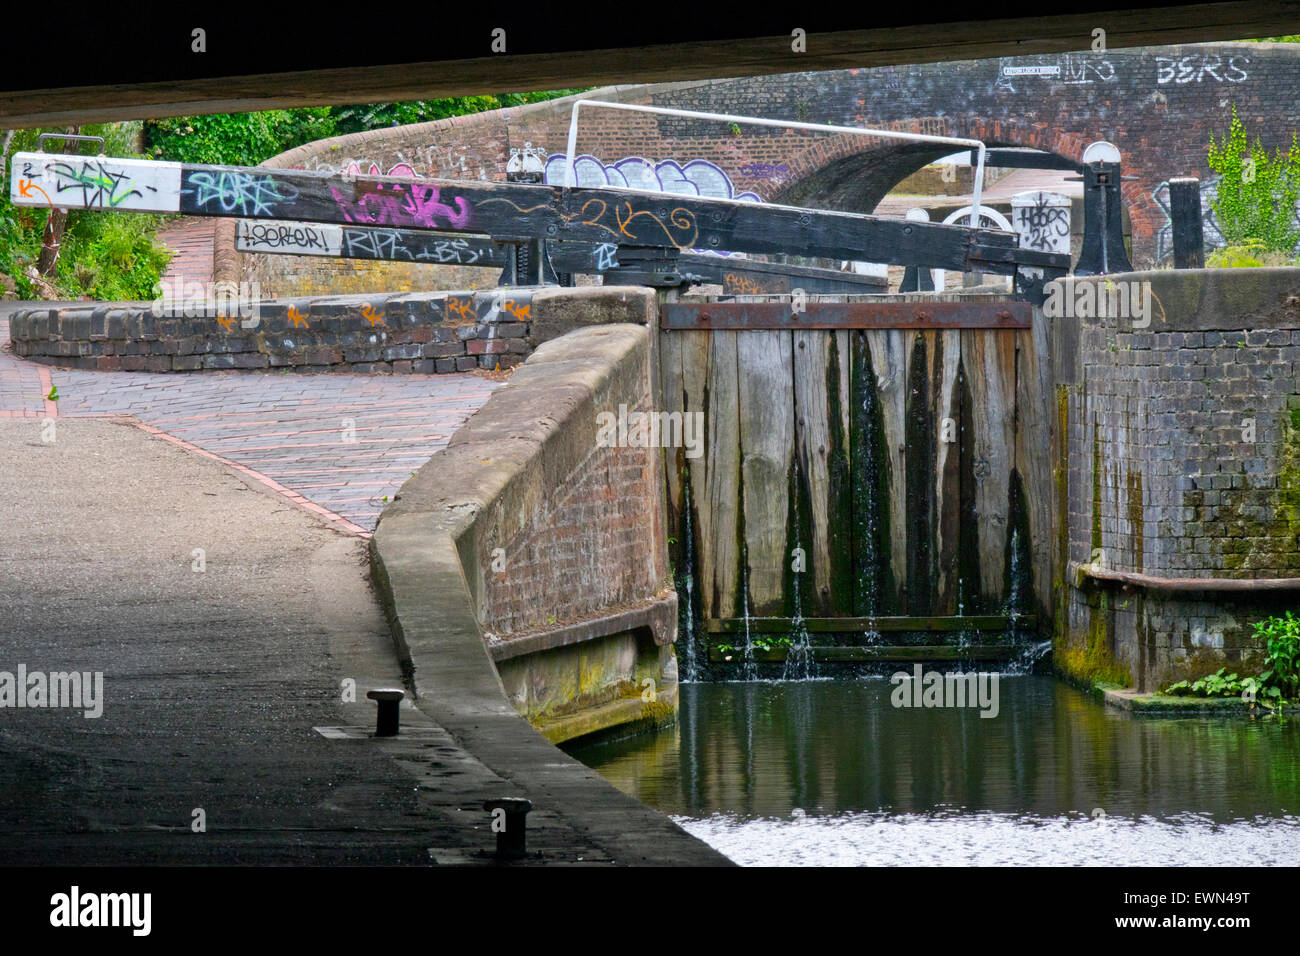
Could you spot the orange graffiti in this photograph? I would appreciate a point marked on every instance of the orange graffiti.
(371, 316)
(226, 323)
(295, 317)
(25, 187)
(734, 284)
(464, 308)
(520, 312)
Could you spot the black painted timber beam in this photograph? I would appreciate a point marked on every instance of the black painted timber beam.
(736, 275)
(891, 314)
(848, 625)
(513, 212)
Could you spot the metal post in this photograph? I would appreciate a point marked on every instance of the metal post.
(1187, 228)
(512, 837)
(389, 699)
(1103, 225)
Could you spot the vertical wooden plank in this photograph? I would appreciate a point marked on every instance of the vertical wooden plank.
(1036, 420)
(718, 486)
(889, 354)
(918, 467)
(815, 448)
(765, 377)
(947, 470)
(989, 359)
(670, 399)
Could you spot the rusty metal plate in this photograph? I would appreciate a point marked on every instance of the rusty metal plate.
(681, 316)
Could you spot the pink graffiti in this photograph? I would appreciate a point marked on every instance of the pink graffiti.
(401, 169)
(400, 204)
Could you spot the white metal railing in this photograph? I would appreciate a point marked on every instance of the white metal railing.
(570, 160)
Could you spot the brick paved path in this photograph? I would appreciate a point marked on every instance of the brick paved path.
(190, 241)
(335, 444)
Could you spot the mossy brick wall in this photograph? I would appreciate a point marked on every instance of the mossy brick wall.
(594, 540)
(1182, 460)
(422, 333)
(559, 543)
(1157, 104)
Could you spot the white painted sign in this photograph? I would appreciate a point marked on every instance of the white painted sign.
(289, 238)
(94, 182)
(1031, 71)
(1042, 220)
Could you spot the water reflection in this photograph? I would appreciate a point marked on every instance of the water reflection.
(1055, 777)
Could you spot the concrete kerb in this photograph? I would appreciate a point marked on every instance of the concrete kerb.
(426, 556)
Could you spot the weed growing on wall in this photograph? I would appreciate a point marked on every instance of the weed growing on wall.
(1257, 193)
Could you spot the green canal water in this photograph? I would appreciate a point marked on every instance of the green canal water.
(829, 772)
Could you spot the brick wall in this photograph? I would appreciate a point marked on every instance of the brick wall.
(419, 333)
(1182, 460)
(597, 543)
(1157, 104)
(559, 543)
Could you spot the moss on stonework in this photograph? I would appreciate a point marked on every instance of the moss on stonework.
(1061, 475)
(1133, 480)
(1096, 488)
(1093, 662)
(1248, 544)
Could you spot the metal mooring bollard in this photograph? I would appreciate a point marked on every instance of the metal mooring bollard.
(512, 842)
(389, 698)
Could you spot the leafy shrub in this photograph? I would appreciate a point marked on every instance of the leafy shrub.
(246, 139)
(1281, 674)
(1213, 685)
(1280, 679)
(1250, 253)
(235, 139)
(115, 258)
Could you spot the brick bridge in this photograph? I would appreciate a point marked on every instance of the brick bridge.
(1157, 104)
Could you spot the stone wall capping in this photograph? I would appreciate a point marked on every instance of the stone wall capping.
(372, 333)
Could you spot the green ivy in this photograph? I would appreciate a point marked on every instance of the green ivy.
(1257, 192)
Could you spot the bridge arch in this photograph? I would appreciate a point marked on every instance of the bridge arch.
(1157, 104)
(854, 174)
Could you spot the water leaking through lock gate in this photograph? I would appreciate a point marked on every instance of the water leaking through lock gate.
(867, 495)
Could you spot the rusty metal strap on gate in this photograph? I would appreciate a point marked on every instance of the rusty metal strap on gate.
(682, 316)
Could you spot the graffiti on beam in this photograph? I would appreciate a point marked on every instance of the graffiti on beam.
(606, 256)
(699, 177)
(625, 221)
(415, 205)
(94, 182)
(1071, 69)
(391, 244)
(99, 183)
(1197, 67)
(733, 283)
(293, 238)
(248, 194)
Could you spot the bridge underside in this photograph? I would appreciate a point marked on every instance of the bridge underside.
(155, 72)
